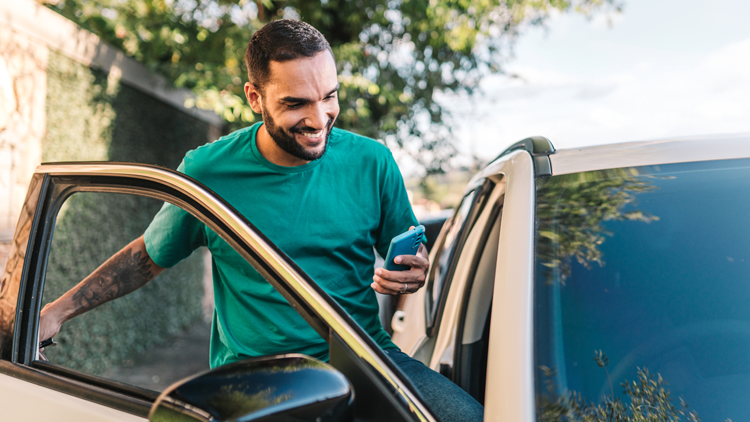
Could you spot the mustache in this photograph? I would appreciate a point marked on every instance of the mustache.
(300, 129)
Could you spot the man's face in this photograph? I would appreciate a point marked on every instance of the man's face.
(299, 104)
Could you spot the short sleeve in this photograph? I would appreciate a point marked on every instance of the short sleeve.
(173, 234)
(396, 213)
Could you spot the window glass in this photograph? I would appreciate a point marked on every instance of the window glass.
(441, 267)
(11, 277)
(150, 338)
(642, 290)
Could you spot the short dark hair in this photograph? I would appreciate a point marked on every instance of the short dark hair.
(281, 40)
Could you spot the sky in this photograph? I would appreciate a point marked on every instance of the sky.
(662, 69)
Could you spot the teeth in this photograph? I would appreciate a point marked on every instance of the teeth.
(313, 134)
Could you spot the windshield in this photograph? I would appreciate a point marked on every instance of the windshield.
(643, 293)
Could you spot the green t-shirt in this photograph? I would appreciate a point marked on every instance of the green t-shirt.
(326, 215)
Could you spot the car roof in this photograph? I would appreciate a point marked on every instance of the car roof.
(625, 154)
(645, 153)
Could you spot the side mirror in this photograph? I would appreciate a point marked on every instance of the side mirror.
(281, 387)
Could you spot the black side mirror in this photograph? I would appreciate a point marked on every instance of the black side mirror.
(281, 387)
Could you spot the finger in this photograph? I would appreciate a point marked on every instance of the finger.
(388, 285)
(413, 261)
(409, 276)
(423, 251)
(394, 286)
(403, 290)
(382, 290)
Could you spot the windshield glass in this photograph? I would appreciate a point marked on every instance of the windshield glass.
(643, 293)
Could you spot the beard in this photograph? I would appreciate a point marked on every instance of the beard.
(285, 138)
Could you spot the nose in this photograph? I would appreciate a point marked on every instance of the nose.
(318, 117)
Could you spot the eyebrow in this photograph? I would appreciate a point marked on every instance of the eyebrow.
(307, 100)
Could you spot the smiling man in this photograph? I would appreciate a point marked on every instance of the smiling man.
(323, 195)
(297, 99)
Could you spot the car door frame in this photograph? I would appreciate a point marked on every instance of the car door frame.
(352, 351)
(510, 377)
(509, 390)
(490, 196)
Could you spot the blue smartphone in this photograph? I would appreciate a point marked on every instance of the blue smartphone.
(403, 244)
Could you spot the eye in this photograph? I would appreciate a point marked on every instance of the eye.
(294, 105)
(331, 96)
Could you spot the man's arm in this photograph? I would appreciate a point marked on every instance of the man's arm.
(125, 271)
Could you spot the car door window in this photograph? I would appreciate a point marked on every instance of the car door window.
(11, 276)
(356, 355)
(456, 229)
(149, 338)
(440, 268)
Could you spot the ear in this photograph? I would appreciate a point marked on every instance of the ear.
(253, 97)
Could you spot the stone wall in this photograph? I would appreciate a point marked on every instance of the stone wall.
(29, 33)
(23, 89)
(67, 96)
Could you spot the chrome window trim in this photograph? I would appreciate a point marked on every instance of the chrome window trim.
(646, 153)
(509, 394)
(289, 274)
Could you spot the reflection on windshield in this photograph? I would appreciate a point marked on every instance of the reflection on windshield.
(571, 210)
(673, 297)
(648, 398)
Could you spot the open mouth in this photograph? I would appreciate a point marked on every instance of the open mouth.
(311, 137)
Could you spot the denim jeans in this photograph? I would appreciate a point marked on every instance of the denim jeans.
(449, 402)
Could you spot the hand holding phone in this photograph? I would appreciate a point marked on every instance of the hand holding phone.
(404, 244)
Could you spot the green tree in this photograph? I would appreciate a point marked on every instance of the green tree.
(393, 55)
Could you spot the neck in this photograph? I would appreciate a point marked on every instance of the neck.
(271, 152)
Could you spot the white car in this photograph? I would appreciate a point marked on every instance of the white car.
(609, 282)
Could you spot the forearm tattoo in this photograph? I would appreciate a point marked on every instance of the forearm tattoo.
(123, 273)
